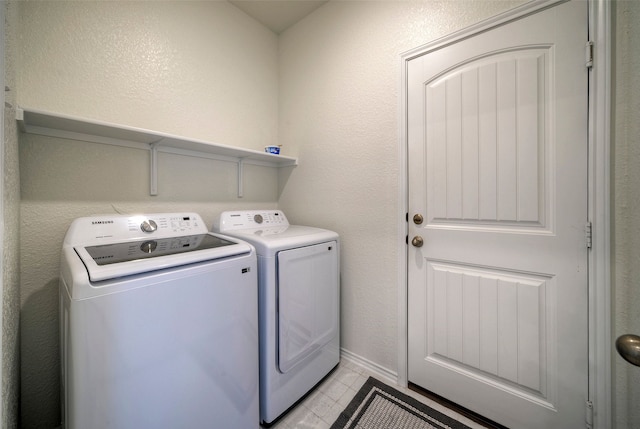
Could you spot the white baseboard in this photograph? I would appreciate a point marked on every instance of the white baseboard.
(372, 367)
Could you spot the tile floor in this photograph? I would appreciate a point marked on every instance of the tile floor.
(323, 406)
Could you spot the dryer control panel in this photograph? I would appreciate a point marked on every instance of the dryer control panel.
(249, 219)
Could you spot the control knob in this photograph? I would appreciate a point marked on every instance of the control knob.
(148, 226)
(148, 246)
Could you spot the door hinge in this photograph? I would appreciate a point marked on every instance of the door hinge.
(589, 414)
(588, 234)
(589, 54)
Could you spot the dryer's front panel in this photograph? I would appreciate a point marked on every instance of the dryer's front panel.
(308, 301)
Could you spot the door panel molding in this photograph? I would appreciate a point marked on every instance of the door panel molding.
(466, 338)
(521, 193)
(600, 17)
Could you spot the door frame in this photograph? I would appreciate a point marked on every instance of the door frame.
(599, 195)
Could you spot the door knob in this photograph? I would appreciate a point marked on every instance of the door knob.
(417, 218)
(417, 241)
(629, 348)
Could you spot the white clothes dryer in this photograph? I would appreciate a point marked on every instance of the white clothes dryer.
(299, 304)
(158, 325)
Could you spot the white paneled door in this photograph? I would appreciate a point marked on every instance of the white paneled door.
(497, 297)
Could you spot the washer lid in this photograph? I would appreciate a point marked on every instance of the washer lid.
(108, 261)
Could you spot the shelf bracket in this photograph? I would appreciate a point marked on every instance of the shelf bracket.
(153, 169)
(240, 177)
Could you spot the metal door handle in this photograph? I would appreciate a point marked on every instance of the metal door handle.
(417, 218)
(629, 348)
(417, 241)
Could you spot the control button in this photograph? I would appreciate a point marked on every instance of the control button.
(148, 226)
(258, 218)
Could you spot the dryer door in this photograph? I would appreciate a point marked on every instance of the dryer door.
(308, 301)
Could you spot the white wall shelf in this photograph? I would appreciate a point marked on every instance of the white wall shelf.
(74, 128)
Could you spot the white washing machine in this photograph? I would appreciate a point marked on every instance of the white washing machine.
(158, 325)
(299, 304)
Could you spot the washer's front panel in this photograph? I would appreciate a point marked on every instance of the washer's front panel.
(179, 353)
(308, 302)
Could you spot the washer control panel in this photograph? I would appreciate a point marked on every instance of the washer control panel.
(249, 219)
(169, 223)
(122, 227)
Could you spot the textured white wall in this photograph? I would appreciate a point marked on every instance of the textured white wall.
(199, 69)
(626, 210)
(11, 226)
(339, 81)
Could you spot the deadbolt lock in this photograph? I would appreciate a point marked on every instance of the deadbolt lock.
(417, 219)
